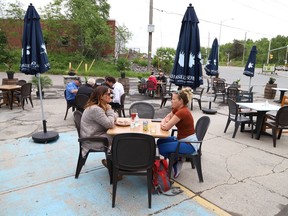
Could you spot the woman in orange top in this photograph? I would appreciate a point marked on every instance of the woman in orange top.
(182, 118)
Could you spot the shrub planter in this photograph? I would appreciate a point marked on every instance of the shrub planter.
(269, 93)
(125, 83)
(10, 74)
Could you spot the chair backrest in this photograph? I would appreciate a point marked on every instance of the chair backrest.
(144, 109)
(21, 82)
(198, 91)
(232, 93)
(233, 108)
(245, 97)
(220, 86)
(81, 100)
(99, 81)
(77, 120)
(26, 89)
(202, 127)
(133, 151)
(122, 100)
(282, 117)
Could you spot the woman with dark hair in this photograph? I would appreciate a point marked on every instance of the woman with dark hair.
(182, 118)
(97, 118)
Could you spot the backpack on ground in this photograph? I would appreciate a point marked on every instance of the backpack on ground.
(161, 181)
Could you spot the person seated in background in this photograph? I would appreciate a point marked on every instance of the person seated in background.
(118, 91)
(161, 77)
(87, 88)
(71, 90)
(182, 118)
(152, 88)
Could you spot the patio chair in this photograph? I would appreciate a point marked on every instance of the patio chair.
(133, 154)
(165, 95)
(21, 82)
(195, 158)
(277, 123)
(235, 116)
(232, 93)
(197, 96)
(68, 105)
(219, 89)
(144, 109)
(82, 159)
(99, 81)
(80, 101)
(24, 94)
(121, 109)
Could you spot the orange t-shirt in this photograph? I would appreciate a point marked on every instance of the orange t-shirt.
(186, 124)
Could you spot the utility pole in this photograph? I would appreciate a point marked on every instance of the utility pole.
(268, 56)
(150, 31)
(244, 48)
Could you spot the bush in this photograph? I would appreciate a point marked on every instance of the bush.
(123, 64)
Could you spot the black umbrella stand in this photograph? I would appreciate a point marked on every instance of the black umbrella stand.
(45, 136)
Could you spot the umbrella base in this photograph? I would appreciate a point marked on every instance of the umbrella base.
(45, 137)
(209, 111)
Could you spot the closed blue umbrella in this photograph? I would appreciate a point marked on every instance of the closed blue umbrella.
(34, 61)
(250, 65)
(187, 70)
(211, 67)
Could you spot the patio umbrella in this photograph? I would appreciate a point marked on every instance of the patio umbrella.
(34, 61)
(187, 69)
(211, 67)
(250, 65)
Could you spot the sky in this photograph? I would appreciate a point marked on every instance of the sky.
(236, 19)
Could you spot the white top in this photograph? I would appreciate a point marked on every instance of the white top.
(280, 89)
(260, 106)
(118, 91)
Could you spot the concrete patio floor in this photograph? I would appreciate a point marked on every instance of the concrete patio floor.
(242, 176)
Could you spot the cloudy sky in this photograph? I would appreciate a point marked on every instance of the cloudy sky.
(254, 18)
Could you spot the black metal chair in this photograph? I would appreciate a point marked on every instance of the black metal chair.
(277, 123)
(68, 105)
(80, 101)
(219, 89)
(235, 116)
(197, 96)
(232, 93)
(165, 95)
(138, 160)
(144, 109)
(121, 109)
(200, 130)
(81, 160)
(24, 94)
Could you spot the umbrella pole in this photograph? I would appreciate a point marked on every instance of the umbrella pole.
(43, 137)
(41, 103)
(249, 83)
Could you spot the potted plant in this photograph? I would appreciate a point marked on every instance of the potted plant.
(269, 92)
(236, 83)
(8, 62)
(45, 83)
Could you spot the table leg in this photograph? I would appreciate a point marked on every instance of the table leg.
(259, 123)
(281, 95)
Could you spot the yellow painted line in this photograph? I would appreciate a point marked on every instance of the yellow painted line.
(203, 202)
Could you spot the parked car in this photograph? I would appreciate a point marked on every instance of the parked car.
(282, 68)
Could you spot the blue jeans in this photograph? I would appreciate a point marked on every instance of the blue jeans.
(168, 145)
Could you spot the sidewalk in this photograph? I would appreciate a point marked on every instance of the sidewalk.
(242, 176)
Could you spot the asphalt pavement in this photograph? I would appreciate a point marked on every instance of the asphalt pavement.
(242, 176)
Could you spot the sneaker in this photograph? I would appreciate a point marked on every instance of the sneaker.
(177, 168)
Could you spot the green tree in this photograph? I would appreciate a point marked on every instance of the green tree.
(123, 35)
(164, 59)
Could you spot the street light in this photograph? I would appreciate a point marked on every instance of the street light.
(221, 22)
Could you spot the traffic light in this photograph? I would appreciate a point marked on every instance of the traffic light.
(271, 56)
